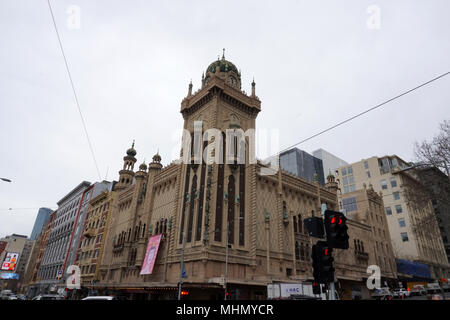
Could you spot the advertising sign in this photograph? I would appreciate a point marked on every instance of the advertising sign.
(9, 276)
(10, 261)
(150, 256)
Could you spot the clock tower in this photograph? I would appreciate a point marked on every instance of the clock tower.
(215, 197)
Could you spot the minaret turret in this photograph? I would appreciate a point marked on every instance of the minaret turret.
(126, 175)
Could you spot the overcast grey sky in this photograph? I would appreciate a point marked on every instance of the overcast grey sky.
(315, 63)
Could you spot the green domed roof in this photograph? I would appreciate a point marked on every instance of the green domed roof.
(224, 66)
(131, 152)
(157, 158)
(143, 166)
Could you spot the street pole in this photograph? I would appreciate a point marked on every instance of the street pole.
(226, 261)
(331, 284)
(181, 266)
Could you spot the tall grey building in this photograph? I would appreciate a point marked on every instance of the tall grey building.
(329, 161)
(41, 219)
(63, 242)
(302, 164)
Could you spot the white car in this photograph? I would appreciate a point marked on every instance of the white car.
(49, 297)
(382, 294)
(100, 298)
(398, 293)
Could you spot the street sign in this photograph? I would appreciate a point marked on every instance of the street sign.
(183, 275)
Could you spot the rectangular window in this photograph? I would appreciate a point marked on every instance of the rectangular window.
(404, 236)
(345, 180)
(398, 208)
(345, 189)
(396, 195)
(350, 204)
(393, 182)
(388, 211)
(383, 184)
(401, 222)
(368, 174)
(351, 180)
(352, 187)
(366, 164)
(344, 171)
(350, 170)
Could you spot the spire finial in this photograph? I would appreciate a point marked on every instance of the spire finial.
(132, 145)
(223, 53)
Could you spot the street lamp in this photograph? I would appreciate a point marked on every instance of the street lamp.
(182, 256)
(5, 179)
(226, 256)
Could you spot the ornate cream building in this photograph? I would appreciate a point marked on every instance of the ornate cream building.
(414, 232)
(203, 204)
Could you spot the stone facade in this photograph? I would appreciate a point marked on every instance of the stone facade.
(387, 175)
(201, 206)
(92, 241)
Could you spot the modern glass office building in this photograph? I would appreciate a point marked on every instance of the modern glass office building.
(302, 164)
(41, 219)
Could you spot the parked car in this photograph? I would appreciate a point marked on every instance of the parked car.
(22, 297)
(99, 298)
(418, 290)
(383, 294)
(433, 288)
(5, 294)
(401, 292)
(49, 297)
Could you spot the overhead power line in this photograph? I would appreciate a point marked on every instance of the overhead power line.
(366, 111)
(73, 89)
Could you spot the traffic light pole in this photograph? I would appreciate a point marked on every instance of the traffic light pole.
(226, 261)
(332, 289)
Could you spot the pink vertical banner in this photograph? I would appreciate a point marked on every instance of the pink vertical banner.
(150, 255)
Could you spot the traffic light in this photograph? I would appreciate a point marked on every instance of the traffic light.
(316, 288)
(336, 229)
(315, 227)
(323, 270)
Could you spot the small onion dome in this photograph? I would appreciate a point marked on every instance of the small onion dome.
(224, 66)
(143, 166)
(131, 152)
(157, 158)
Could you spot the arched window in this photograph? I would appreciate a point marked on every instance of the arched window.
(302, 252)
(157, 228)
(295, 223)
(307, 253)
(300, 225)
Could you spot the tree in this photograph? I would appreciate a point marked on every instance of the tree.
(426, 184)
(436, 153)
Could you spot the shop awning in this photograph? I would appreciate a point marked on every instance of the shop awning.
(412, 268)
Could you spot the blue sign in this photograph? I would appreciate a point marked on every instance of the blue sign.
(183, 275)
(9, 276)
